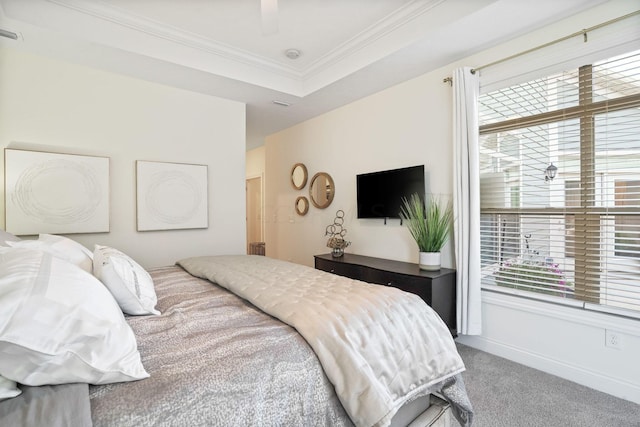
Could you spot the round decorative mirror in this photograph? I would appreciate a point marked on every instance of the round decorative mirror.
(302, 205)
(299, 176)
(321, 190)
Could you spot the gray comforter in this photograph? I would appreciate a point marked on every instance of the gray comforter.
(64, 405)
(216, 360)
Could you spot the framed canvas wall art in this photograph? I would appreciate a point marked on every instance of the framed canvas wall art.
(55, 193)
(171, 196)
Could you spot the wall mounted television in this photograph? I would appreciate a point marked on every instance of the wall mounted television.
(380, 194)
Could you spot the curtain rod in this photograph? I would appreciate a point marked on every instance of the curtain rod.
(577, 33)
(8, 34)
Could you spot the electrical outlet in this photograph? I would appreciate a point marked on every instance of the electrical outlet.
(613, 339)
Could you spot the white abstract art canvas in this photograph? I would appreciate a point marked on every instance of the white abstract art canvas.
(171, 196)
(55, 193)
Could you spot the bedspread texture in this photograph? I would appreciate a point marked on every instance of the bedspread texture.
(216, 360)
(379, 346)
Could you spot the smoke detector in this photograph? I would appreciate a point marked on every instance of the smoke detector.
(292, 53)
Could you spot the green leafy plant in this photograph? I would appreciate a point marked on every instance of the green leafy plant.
(429, 225)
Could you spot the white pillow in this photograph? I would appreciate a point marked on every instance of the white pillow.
(8, 389)
(129, 283)
(5, 236)
(58, 324)
(60, 247)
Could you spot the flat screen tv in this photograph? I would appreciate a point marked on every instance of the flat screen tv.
(380, 193)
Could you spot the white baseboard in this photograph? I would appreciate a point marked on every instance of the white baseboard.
(595, 380)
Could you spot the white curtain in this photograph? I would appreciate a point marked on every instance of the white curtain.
(466, 200)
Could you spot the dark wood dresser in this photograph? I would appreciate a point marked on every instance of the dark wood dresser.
(436, 288)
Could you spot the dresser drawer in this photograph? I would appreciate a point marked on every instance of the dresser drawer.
(346, 270)
(436, 288)
(411, 284)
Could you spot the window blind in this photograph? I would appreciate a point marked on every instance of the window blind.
(572, 235)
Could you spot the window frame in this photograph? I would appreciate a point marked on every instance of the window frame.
(587, 280)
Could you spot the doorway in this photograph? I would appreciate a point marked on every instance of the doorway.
(255, 235)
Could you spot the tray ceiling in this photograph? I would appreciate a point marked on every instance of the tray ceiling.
(348, 49)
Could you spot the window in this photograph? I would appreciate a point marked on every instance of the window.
(627, 244)
(577, 236)
(572, 200)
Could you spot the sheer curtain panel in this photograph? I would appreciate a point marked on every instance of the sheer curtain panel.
(466, 200)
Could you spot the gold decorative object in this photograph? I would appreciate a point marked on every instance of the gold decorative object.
(336, 233)
(302, 205)
(321, 190)
(299, 176)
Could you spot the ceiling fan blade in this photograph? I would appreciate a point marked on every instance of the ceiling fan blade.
(269, 14)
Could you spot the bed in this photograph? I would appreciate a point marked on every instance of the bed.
(231, 341)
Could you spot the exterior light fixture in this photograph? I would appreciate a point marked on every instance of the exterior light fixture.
(550, 172)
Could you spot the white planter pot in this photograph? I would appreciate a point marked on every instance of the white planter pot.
(430, 261)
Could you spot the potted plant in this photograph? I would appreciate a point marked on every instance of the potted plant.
(430, 227)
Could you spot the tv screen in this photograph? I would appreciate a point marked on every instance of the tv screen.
(380, 193)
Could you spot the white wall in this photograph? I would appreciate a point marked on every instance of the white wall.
(384, 131)
(50, 105)
(563, 341)
(410, 124)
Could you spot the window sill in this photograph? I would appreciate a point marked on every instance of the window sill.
(563, 309)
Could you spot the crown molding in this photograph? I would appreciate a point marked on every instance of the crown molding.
(384, 27)
(100, 9)
(357, 44)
